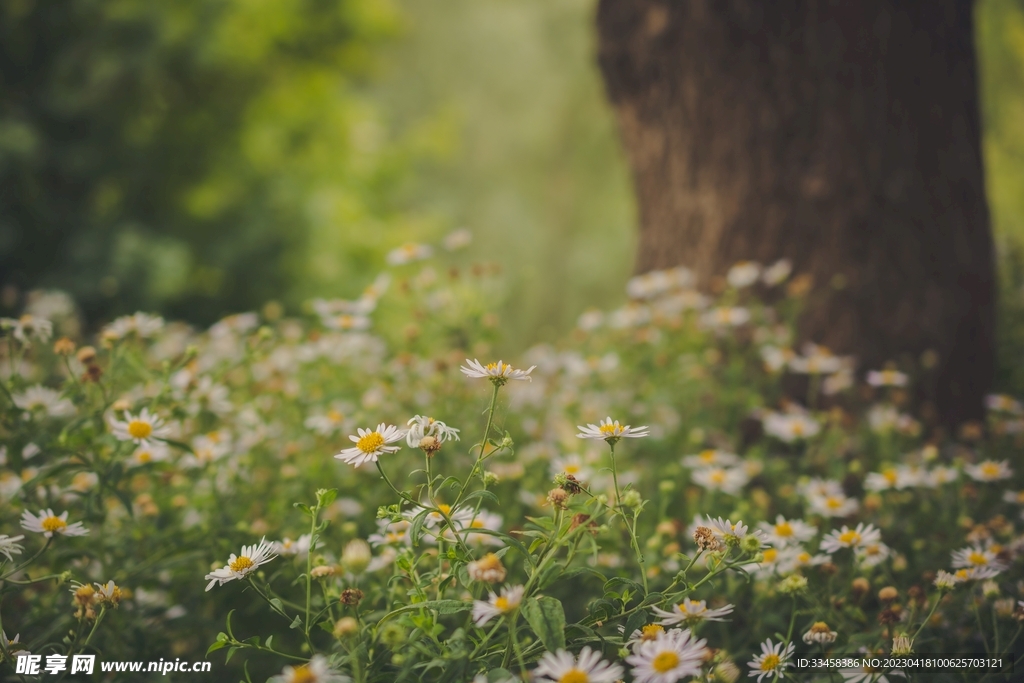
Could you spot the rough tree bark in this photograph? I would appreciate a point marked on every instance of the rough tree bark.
(843, 135)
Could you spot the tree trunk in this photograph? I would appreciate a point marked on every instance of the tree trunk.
(843, 135)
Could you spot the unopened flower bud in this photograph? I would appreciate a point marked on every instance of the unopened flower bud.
(356, 556)
(63, 347)
(490, 478)
(322, 572)
(902, 645)
(632, 498)
(750, 544)
(794, 583)
(888, 594)
(725, 672)
(86, 355)
(860, 586)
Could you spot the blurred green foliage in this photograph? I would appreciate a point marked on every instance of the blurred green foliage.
(198, 157)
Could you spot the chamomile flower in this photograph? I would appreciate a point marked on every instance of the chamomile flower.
(44, 400)
(499, 372)
(975, 558)
(13, 645)
(371, 444)
(9, 546)
(819, 633)
(726, 530)
(1015, 497)
(939, 475)
(642, 635)
(317, 670)
(609, 430)
(777, 272)
(989, 470)
(726, 316)
(239, 566)
(140, 324)
(571, 464)
(691, 612)
(792, 559)
(773, 660)
(743, 274)
(711, 457)
(886, 378)
(330, 422)
(729, 480)
(28, 328)
(49, 524)
(872, 554)
(407, 253)
(139, 428)
(846, 537)
(785, 532)
(945, 580)
(833, 505)
(153, 451)
(287, 546)
(670, 656)
(588, 667)
(497, 605)
(790, 427)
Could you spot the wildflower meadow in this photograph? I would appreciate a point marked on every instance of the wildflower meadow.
(675, 491)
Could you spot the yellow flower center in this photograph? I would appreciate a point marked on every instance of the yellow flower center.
(770, 554)
(804, 557)
(335, 416)
(990, 469)
(890, 476)
(784, 529)
(665, 661)
(240, 564)
(574, 676)
(145, 456)
(651, 631)
(833, 503)
(572, 469)
(977, 558)
(798, 429)
(609, 429)
(445, 509)
(849, 537)
(492, 367)
(718, 477)
(302, 674)
(707, 456)
(139, 429)
(53, 524)
(502, 603)
(476, 524)
(1020, 497)
(873, 550)
(770, 662)
(370, 443)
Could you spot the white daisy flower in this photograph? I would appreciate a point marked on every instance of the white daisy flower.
(989, 470)
(13, 645)
(346, 322)
(497, 605)
(670, 656)
(44, 400)
(743, 274)
(882, 481)
(833, 505)
(49, 524)
(851, 538)
(978, 573)
(817, 364)
(391, 533)
(726, 316)
(773, 660)
(330, 422)
(146, 453)
(642, 635)
(589, 667)
(777, 272)
(407, 253)
(484, 520)
(371, 444)
(729, 480)
(421, 427)
(9, 546)
(239, 566)
(976, 557)
(499, 372)
(139, 428)
(725, 529)
(287, 546)
(28, 327)
(820, 634)
(790, 427)
(316, 670)
(887, 378)
(787, 531)
(872, 554)
(610, 430)
(1004, 404)
(141, 324)
(940, 475)
(792, 559)
(945, 580)
(691, 612)
(711, 458)
(571, 464)
(1015, 497)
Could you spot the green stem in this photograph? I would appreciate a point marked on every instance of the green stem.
(309, 562)
(483, 445)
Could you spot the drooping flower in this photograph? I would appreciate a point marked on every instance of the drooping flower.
(49, 524)
(371, 444)
(588, 667)
(820, 633)
(239, 566)
(670, 656)
(9, 546)
(437, 432)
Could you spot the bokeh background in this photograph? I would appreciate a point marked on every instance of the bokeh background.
(202, 157)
